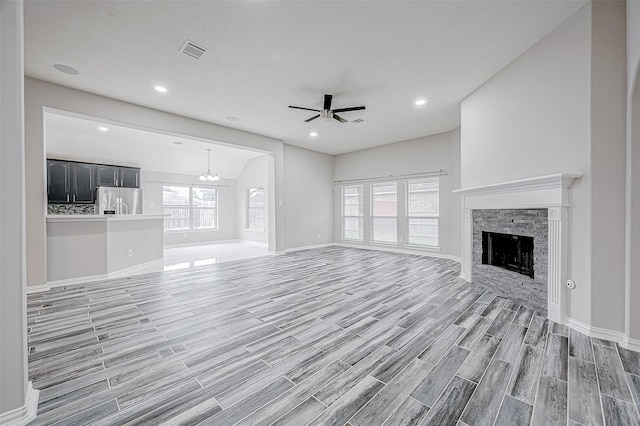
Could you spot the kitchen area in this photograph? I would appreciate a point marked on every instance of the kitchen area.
(109, 187)
(96, 228)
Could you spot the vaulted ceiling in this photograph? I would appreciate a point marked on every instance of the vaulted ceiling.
(263, 56)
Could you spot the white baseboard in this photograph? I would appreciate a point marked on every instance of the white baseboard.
(597, 332)
(200, 243)
(143, 268)
(24, 414)
(631, 344)
(316, 246)
(206, 243)
(403, 251)
(156, 265)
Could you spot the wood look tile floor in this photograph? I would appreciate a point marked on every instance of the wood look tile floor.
(332, 336)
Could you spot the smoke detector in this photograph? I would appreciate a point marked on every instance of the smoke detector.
(193, 50)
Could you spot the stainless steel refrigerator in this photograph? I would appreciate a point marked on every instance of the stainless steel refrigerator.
(119, 200)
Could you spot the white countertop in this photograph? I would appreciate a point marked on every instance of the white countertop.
(101, 217)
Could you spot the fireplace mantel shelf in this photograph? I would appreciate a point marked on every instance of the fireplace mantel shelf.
(559, 180)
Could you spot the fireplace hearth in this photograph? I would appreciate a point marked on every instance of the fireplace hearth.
(508, 251)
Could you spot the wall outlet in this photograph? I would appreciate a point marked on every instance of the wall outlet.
(318, 236)
(401, 239)
(130, 252)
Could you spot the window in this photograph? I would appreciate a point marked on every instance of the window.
(352, 213)
(423, 207)
(255, 209)
(384, 212)
(189, 207)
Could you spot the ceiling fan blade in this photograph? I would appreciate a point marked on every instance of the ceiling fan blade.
(312, 118)
(327, 101)
(306, 109)
(340, 119)
(349, 109)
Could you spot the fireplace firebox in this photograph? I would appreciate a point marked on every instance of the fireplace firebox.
(512, 252)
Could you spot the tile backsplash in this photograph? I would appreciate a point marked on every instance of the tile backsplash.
(70, 209)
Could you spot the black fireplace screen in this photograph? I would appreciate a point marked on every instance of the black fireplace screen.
(512, 252)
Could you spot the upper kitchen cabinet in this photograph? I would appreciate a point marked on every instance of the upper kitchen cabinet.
(58, 181)
(107, 175)
(83, 182)
(75, 182)
(127, 177)
(70, 182)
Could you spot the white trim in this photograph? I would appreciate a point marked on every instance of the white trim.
(399, 250)
(539, 192)
(143, 268)
(316, 246)
(631, 344)
(531, 184)
(203, 243)
(597, 332)
(24, 414)
(156, 265)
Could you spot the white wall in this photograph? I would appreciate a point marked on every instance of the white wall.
(40, 94)
(608, 151)
(532, 119)
(13, 305)
(151, 184)
(410, 157)
(76, 250)
(558, 108)
(632, 270)
(309, 194)
(254, 175)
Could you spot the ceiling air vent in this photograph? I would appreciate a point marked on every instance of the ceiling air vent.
(189, 48)
(357, 120)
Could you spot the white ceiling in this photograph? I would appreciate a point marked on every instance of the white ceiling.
(79, 139)
(266, 55)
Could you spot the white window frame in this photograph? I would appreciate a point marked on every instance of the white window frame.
(426, 215)
(359, 216)
(191, 208)
(252, 226)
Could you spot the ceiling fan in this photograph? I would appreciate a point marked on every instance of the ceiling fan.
(326, 112)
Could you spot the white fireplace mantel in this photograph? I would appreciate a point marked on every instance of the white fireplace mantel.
(550, 192)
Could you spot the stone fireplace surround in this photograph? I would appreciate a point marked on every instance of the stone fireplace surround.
(533, 223)
(545, 192)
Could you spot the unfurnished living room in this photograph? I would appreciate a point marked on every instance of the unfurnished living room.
(320, 212)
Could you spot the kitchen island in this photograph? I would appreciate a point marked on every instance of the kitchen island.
(90, 247)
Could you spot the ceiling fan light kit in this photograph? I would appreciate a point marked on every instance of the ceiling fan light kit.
(326, 112)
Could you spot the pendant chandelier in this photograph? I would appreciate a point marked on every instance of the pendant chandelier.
(209, 176)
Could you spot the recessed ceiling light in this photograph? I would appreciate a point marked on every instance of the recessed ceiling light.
(421, 102)
(177, 143)
(232, 118)
(161, 89)
(103, 129)
(313, 134)
(66, 69)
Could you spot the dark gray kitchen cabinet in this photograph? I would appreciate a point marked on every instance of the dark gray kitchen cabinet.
(58, 181)
(107, 175)
(83, 185)
(70, 182)
(127, 177)
(75, 182)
